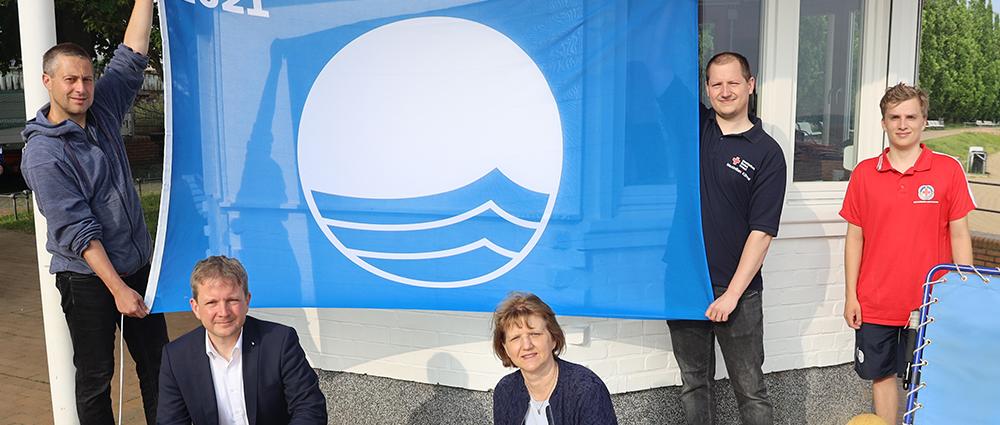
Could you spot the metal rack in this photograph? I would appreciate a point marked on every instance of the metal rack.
(916, 383)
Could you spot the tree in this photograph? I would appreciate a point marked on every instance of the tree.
(10, 44)
(97, 25)
(958, 64)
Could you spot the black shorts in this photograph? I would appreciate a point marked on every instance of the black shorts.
(879, 351)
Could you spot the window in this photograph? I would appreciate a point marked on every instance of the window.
(727, 25)
(826, 98)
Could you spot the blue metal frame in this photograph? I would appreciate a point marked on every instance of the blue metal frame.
(915, 382)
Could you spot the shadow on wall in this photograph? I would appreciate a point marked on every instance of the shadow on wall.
(448, 402)
(364, 399)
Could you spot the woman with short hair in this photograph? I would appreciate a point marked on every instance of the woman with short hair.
(546, 390)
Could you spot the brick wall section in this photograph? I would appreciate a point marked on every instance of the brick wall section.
(145, 155)
(986, 248)
(803, 307)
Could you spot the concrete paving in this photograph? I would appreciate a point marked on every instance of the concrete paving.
(24, 376)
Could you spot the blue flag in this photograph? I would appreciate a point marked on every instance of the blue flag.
(436, 154)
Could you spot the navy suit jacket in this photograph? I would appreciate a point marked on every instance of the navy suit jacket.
(278, 384)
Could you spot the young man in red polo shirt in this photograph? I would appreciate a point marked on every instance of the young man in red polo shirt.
(906, 212)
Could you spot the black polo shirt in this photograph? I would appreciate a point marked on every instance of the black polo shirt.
(742, 189)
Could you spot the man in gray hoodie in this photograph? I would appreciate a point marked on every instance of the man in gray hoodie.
(75, 163)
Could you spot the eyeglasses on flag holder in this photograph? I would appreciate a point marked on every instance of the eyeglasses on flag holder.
(953, 372)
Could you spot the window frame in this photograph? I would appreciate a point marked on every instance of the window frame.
(889, 53)
(811, 208)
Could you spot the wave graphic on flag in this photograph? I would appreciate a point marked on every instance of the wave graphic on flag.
(449, 237)
(430, 152)
(436, 155)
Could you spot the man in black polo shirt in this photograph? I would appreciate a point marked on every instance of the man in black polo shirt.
(742, 191)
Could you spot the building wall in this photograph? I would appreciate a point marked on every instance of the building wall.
(986, 248)
(803, 304)
(145, 155)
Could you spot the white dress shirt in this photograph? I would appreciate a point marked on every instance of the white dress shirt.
(227, 375)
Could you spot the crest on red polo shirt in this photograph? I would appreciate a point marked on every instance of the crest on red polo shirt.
(925, 192)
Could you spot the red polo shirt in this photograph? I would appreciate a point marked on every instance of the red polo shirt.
(904, 218)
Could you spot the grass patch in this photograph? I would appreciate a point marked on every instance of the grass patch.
(25, 222)
(151, 212)
(958, 144)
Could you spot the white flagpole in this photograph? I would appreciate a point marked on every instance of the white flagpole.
(37, 20)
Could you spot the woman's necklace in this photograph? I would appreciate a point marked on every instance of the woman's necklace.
(548, 393)
(539, 405)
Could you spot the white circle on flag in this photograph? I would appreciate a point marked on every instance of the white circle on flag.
(441, 113)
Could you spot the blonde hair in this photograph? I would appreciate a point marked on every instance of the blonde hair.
(902, 92)
(219, 267)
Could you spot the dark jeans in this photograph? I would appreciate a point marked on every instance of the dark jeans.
(92, 317)
(742, 341)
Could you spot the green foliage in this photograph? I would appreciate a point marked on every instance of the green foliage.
(958, 145)
(959, 60)
(151, 212)
(98, 25)
(26, 223)
(811, 97)
(10, 47)
(106, 21)
(706, 48)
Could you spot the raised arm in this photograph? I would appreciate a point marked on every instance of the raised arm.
(139, 26)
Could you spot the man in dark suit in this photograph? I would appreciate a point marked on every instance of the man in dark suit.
(235, 369)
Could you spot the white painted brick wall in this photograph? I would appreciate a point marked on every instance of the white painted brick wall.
(803, 303)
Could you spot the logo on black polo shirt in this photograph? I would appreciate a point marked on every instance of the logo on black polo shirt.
(741, 166)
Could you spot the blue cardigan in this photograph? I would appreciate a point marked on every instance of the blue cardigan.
(580, 398)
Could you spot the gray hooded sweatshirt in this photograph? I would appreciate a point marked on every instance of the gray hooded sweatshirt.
(81, 177)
